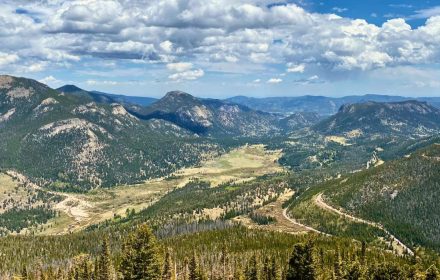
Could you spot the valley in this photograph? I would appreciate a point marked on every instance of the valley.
(77, 211)
(193, 168)
(219, 140)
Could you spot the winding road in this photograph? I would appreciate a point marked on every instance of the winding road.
(299, 224)
(321, 203)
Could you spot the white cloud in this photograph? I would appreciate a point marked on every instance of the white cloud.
(51, 81)
(427, 13)
(187, 75)
(294, 68)
(274, 81)
(48, 79)
(101, 83)
(339, 10)
(166, 46)
(310, 80)
(37, 67)
(6, 59)
(184, 71)
(228, 32)
(179, 66)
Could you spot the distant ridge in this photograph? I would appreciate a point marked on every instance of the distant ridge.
(103, 97)
(412, 117)
(322, 105)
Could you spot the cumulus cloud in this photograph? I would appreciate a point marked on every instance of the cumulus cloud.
(184, 71)
(187, 75)
(209, 32)
(274, 81)
(180, 66)
(51, 81)
(6, 58)
(294, 68)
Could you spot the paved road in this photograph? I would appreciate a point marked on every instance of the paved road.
(321, 203)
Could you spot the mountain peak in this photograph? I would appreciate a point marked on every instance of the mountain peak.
(6, 81)
(69, 89)
(177, 94)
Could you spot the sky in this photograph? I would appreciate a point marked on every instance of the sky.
(223, 48)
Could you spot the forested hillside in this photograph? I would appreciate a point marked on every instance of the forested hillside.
(231, 253)
(89, 144)
(402, 195)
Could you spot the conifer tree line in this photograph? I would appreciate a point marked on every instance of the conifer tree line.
(144, 258)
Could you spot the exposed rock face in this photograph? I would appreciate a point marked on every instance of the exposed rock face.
(89, 108)
(5, 117)
(198, 115)
(66, 126)
(6, 82)
(20, 92)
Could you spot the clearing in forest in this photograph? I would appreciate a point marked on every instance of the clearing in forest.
(81, 210)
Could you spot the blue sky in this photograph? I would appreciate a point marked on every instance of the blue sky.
(224, 48)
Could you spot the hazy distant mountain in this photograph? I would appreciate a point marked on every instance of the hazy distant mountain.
(138, 100)
(408, 118)
(103, 97)
(209, 116)
(318, 104)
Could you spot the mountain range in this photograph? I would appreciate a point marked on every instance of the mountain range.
(209, 116)
(319, 104)
(89, 144)
(94, 141)
(322, 105)
(103, 97)
(409, 118)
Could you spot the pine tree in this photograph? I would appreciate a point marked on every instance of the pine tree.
(337, 271)
(24, 273)
(141, 258)
(321, 258)
(354, 272)
(432, 273)
(224, 261)
(194, 273)
(238, 272)
(96, 271)
(252, 269)
(301, 265)
(363, 252)
(104, 265)
(273, 273)
(84, 271)
(266, 269)
(167, 273)
(387, 271)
